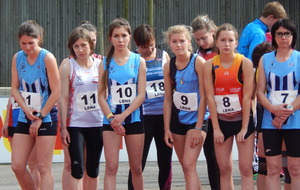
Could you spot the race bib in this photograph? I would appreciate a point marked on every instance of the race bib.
(283, 96)
(227, 103)
(33, 100)
(14, 104)
(185, 101)
(87, 101)
(123, 94)
(155, 89)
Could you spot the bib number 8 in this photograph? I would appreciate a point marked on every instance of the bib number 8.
(226, 102)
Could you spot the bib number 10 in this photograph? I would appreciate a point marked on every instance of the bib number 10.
(123, 94)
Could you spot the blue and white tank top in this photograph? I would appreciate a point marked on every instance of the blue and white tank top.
(123, 87)
(83, 107)
(153, 104)
(283, 80)
(186, 97)
(34, 85)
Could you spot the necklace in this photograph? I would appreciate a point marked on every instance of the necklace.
(185, 68)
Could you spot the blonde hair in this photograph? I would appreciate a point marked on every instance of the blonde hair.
(178, 29)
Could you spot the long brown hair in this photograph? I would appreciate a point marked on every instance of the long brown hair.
(117, 23)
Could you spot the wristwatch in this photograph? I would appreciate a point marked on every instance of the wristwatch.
(290, 107)
(39, 115)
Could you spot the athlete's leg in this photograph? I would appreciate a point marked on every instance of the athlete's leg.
(224, 159)
(211, 160)
(111, 142)
(149, 125)
(93, 148)
(164, 156)
(33, 167)
(22, 146)
(245, 150)
(190, 157)
(134, 145)
(45, 146)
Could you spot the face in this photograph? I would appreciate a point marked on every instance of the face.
(179, 43)
(93, 36)
(283, 37)
(147, 51)
(120, 38)
(81, 48)
(29, 44)
(226, 42)
(204, 39)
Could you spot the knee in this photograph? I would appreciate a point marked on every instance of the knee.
(225, 170)
(294, 170)
(273, 169)
(188, 166)
(92, 172)
(246, 171)
(42, 168)
(18, 168)
(77, 170)
(136, 170)
(111, 169)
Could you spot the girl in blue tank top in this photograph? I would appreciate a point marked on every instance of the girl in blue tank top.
(144, 39)
(184, 103)
(124, 78)
(36, 89)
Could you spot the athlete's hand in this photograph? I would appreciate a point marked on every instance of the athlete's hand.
(218, 136)
(118, 120)
(65, 136)
(29, 113)
(5, 130)
(281, 111)
(34, 127)
(120, 130)
(278, 122)
(168, 138)
(197, 137)
(240, 137)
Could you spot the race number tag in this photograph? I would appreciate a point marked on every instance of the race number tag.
(87, 101)
(14, 104)
(33, 100)
(155, 89)
(123, 94)
(283, 97)
(185, 101)
(227, 103)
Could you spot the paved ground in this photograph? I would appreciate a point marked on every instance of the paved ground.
(8, 180)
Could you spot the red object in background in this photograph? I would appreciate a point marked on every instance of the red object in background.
(269, 37)
(58, 143)
(1, 125)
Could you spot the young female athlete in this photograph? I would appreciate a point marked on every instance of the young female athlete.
(36, 89)
(144, 39)
(81, 116)
(204, 30)
(124, 79)
(229, 85)
(184, 103)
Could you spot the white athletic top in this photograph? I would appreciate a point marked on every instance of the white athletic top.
(83, 107)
